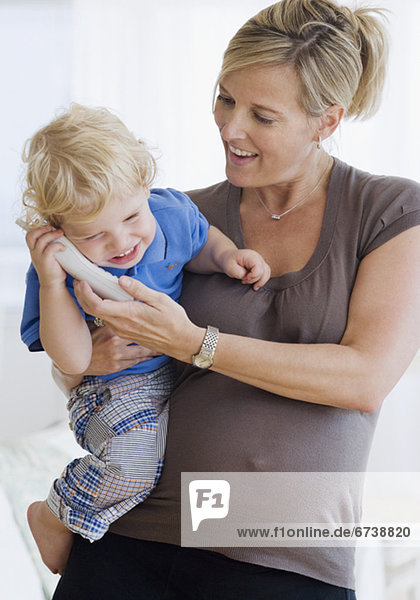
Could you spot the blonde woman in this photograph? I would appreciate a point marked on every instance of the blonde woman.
(298, 374)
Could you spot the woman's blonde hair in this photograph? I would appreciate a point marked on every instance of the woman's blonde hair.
(78, 162)
(339, 55)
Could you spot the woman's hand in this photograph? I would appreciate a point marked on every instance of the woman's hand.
(110, 353)
(157, 322)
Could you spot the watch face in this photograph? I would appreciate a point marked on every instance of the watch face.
(204, 362)
(204, 358)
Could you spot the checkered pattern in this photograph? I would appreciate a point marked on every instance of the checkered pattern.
(122, 424)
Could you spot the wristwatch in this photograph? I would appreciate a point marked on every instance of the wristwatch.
(204, 358)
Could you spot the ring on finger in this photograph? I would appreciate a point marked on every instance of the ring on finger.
(98, 322)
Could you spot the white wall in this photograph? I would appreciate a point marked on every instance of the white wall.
(35, 46)
(386, 144)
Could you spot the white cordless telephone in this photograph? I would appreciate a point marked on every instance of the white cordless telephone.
(79, 267)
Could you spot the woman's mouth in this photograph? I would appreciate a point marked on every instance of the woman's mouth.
(125, 257)
(240, 157)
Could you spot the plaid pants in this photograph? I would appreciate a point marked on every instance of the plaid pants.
(122, 424)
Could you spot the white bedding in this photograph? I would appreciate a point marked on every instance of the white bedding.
(28, 465)
(18, 575)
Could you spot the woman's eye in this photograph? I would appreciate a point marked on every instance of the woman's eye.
(224, 99)
(263, 119)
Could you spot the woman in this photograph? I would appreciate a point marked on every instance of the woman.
(296, 378)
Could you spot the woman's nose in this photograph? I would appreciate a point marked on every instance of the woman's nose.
(233, 127)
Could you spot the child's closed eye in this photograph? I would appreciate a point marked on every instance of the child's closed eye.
(132, 217)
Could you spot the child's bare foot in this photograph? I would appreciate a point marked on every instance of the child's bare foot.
(52, 537)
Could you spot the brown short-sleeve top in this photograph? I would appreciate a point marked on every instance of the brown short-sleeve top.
(219, 424)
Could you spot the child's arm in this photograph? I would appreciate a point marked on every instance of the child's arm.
(63, 331)
(63, 381)
(220, 255)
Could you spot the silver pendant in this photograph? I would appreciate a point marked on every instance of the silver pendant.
(277, 217)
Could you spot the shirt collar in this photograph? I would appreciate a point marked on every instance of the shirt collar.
(157, 249)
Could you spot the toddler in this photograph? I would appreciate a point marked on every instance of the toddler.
(89, 178)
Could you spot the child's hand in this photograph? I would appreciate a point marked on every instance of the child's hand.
(248, 266)
(39, 242)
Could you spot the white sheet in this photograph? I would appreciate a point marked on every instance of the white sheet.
(28, 465)
(19, 579)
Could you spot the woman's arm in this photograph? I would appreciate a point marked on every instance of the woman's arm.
(381, 338)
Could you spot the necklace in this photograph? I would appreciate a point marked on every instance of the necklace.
(278, 217)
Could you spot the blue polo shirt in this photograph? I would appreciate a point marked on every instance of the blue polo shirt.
(181, 232)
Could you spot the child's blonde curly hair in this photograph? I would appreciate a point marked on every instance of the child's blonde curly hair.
(78, 162)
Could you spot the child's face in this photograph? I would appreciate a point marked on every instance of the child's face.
(119, 236)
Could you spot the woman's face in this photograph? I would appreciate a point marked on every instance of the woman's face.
(268, 138)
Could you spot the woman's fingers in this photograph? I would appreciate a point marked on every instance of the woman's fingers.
(110, 353)
(124, 317)
(95, 305)
(90, 302)
(139, 291)
(156, 322)
(118, 348)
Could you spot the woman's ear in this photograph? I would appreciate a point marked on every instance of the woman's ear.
(329, 121)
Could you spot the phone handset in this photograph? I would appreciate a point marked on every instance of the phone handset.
(78, 266)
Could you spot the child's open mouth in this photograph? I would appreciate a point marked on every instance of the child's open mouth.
(125, 257)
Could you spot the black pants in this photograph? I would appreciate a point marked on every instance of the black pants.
(122, 568)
